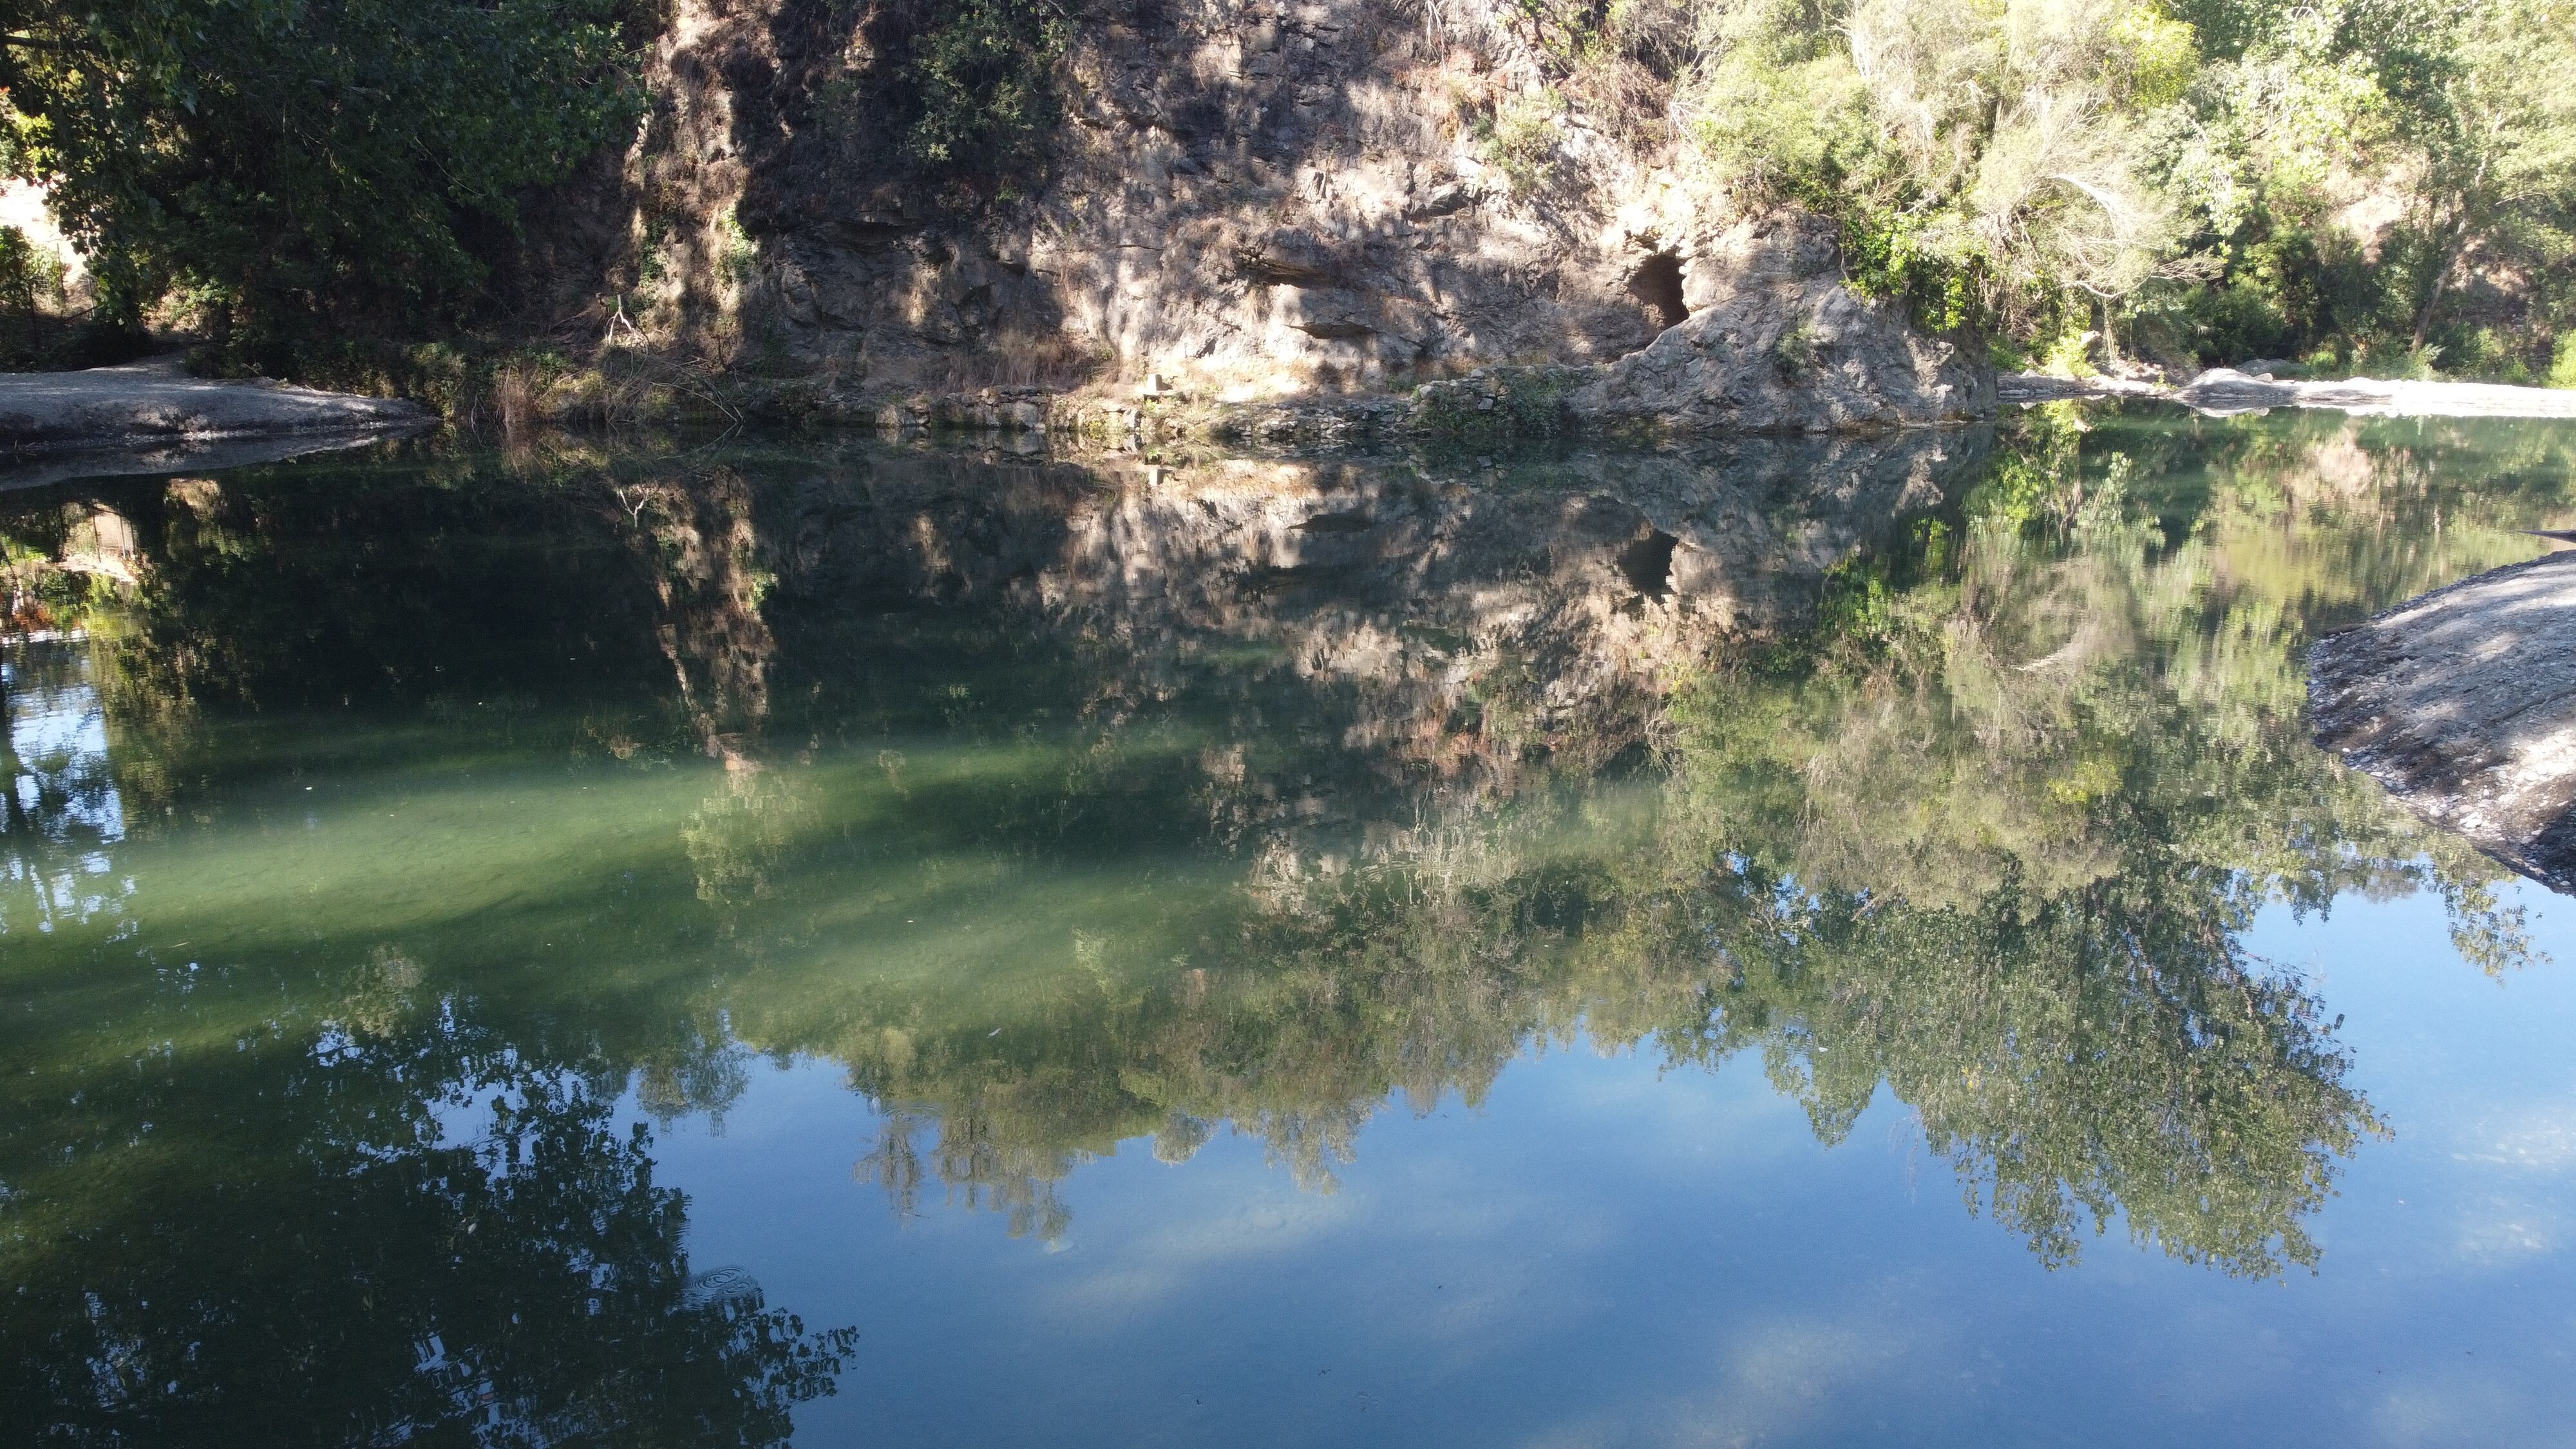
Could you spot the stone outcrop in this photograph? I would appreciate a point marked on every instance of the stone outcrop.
(1780, 345)
(1783, 345)
(2463, 703)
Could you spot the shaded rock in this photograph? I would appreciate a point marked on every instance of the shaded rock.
(171, 455)
(2043, 387)
(2463, 703)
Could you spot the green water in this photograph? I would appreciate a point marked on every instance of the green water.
(1813, 943)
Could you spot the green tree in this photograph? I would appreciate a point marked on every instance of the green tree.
(294, 164)
(2487, 93)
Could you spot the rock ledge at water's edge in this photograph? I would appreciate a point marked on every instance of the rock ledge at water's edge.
(2225, 392)
(2463, 703)
(1783, 348)
(151, 417)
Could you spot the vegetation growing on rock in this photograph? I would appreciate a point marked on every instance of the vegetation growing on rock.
(2359, 182)
(1346, 195)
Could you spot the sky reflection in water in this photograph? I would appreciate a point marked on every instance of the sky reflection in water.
(1823, 944)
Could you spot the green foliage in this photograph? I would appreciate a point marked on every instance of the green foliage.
(1885, 254)
(981, 78)
(1519, 140)
(1494, 404)
(1795, 351)
(1973, 211)
(288, 166)
(2381, 181)
(31, 286)
(2200, 180)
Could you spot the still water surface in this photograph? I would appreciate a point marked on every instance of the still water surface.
(1812, 944)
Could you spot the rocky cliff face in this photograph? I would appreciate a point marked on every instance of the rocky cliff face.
(1251, 199)
(1784, 346)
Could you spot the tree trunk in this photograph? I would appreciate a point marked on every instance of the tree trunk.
(2441, 278)
(2463, 223)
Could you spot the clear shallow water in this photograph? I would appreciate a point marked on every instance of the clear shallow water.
(1814, 945)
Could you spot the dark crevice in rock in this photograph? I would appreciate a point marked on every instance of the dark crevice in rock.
(1657, 286)
(1336, 523)
(1648, 563)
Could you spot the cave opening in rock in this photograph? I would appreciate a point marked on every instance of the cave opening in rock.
(1657, 286)
(1648, 563)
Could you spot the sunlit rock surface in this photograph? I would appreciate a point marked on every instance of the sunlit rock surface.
(1784, 346)
(1257, 202)
(150, 417)
(2463, 703)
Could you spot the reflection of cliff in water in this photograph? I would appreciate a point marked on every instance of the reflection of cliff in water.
(1419, 620)
(2022, 915)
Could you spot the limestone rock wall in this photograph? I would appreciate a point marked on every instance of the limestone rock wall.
(1783, 345)
(1252, 198)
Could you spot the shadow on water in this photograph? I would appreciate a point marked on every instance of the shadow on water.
(375, 830)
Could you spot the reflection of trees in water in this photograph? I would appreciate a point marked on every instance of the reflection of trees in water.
(1986, 832)
(281, 1245)
(62, 804)
(708, 583)
(739, 834)
(249, 1223)
(1989, 836)
(2109, 1051)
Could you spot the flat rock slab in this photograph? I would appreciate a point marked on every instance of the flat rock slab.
(2223, 391)
(153, 408)
(2463, 703)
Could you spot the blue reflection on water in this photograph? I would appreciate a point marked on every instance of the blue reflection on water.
(1607, 1254)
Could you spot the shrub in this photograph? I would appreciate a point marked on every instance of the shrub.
(982, 88)
(304, 166)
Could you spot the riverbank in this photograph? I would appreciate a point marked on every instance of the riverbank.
(150, 417)
(2224, 391)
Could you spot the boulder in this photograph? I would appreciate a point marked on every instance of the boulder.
(156, 403)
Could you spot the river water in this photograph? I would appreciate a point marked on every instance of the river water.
(781, 939)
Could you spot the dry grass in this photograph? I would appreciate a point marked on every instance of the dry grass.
(1016, 359)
